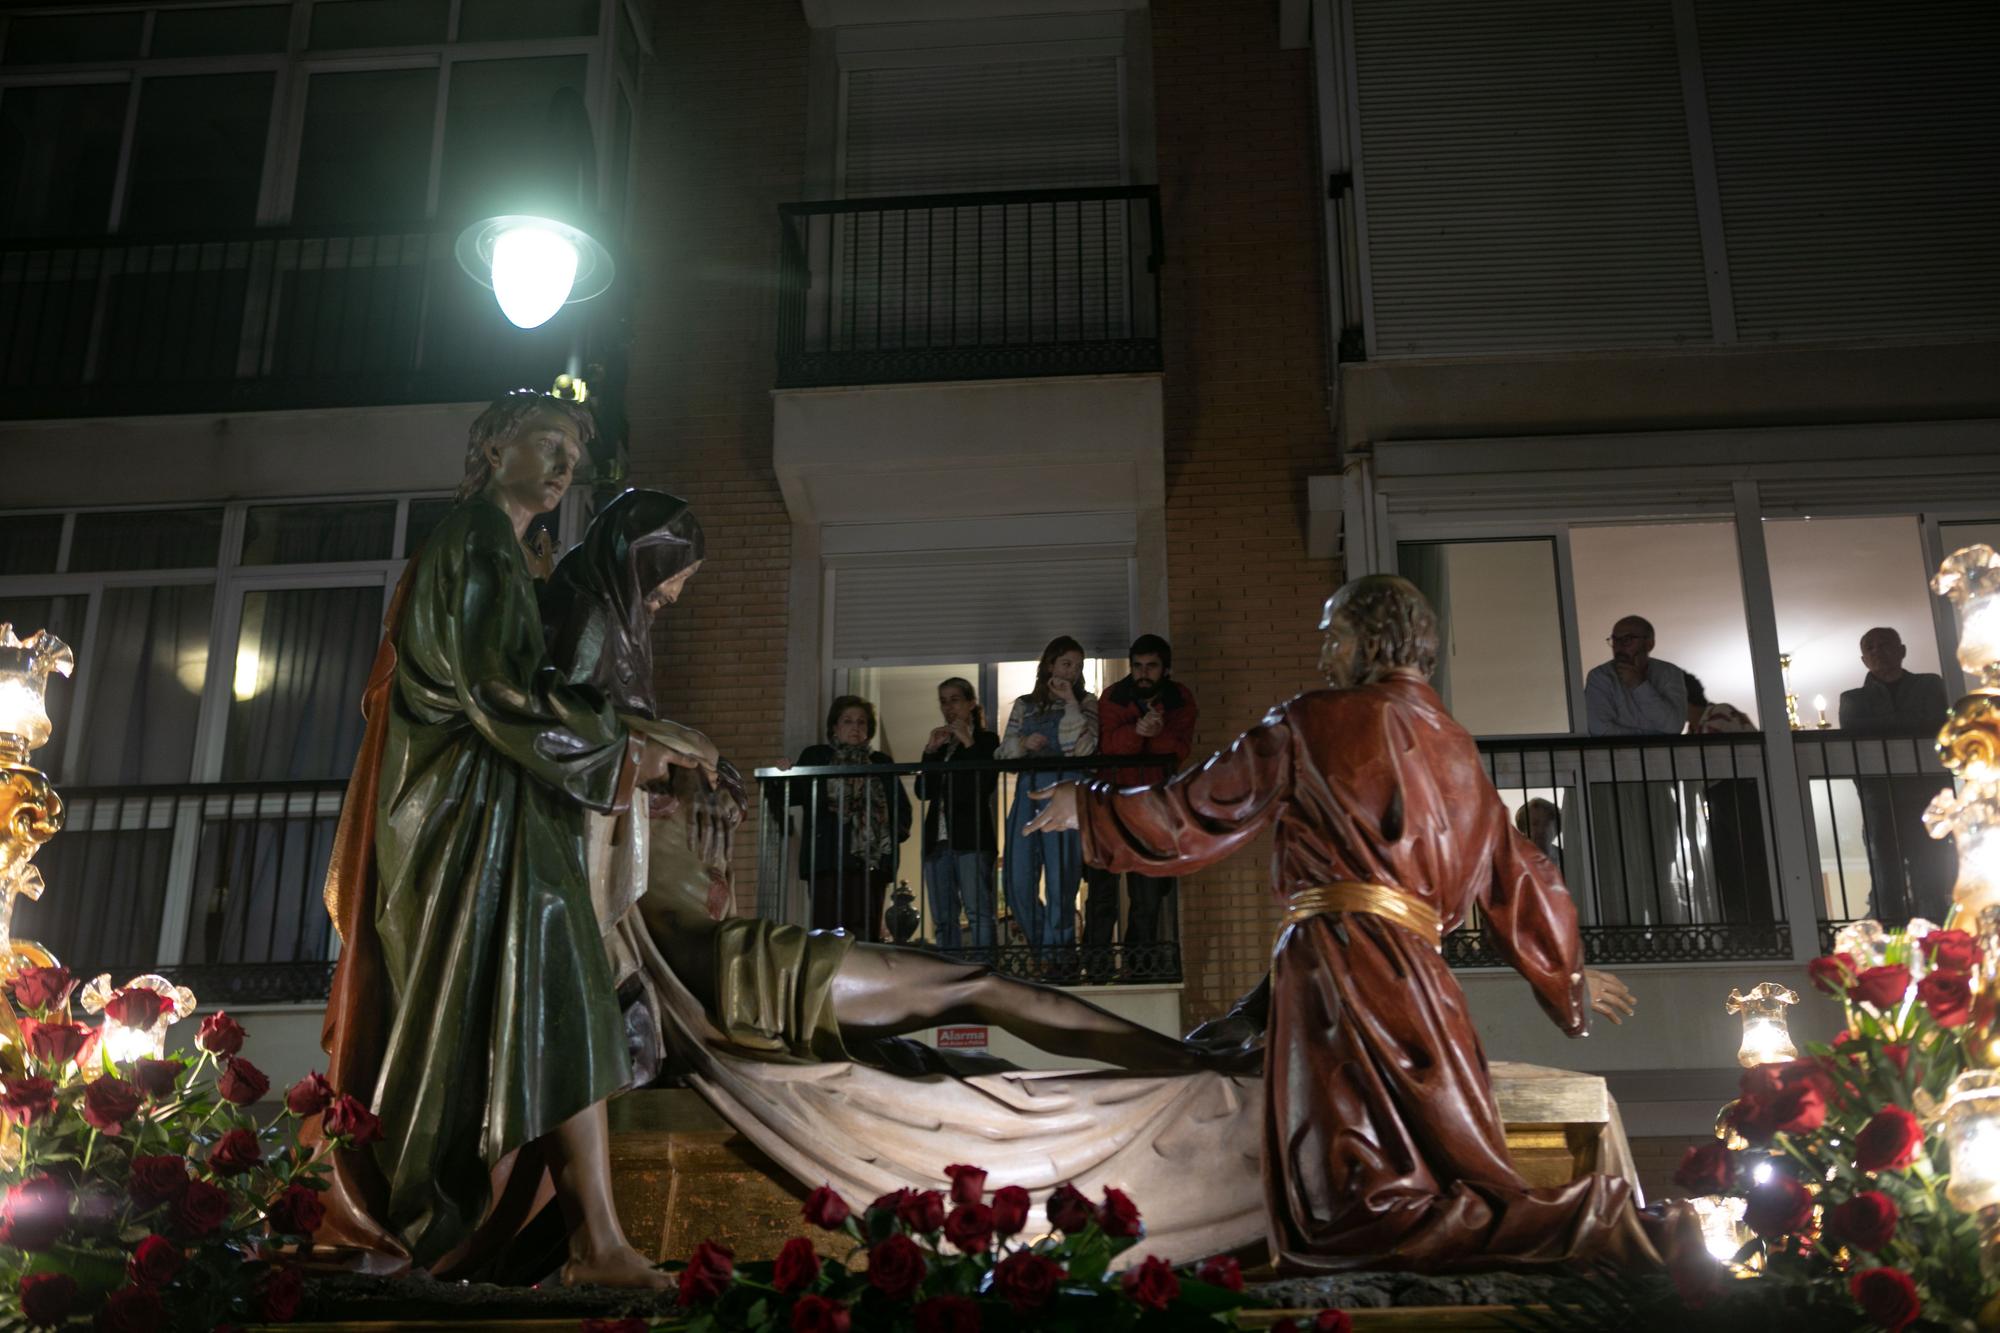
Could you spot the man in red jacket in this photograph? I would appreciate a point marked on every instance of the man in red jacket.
(1146, 713)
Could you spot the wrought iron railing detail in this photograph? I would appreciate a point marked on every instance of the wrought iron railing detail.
(969, 286)
(257, 319)
(1865, 798)
(1609, 945)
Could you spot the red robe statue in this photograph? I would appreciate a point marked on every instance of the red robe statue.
(1383, 1147)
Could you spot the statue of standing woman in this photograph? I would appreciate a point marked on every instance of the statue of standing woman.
(473, 1006)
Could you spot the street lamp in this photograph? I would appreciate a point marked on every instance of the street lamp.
(535, 264)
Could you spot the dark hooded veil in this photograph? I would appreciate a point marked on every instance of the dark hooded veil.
(594, 608)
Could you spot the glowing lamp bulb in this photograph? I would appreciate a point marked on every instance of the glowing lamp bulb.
(1766, 1038)
(533, 271)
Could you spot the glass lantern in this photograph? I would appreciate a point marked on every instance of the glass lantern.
(1767, 1039)
(25, 665)
(1972, 1133)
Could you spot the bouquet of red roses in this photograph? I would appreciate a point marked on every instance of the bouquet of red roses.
(1837, 1157)
(139, 1191)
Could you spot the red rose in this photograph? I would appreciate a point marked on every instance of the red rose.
(348, 1119)
(1754, 1117)
(968, 1183)
(896, 1267)
(1832, 972)
(34, 1213)
(53, 1043)
(41, 987)
(220, 1034)
(201, 1210)
(1951, 950)
(109, 1103)
(279, 1296)
(1010, 1210)
(1026, 1281)
(1069, 1212)
(296, 1212)
(26, 1100)
(131, 1310)
(1152, 1285)
(947, 1314)
(309, 1096)
(47, 1299)
(1120, 1216)
(817, 1314)
(796, 1265)
(1887, 1296)
(922, 1211)
(136, 1007)
(1332, 1321)
(156, 1180)
(1221, 1271)
(1866, 1221)
(970, 1228)
(1706, 1168)
(235, 1153)
(707, 1274)
(1799, 1108)
(242, 1082)
(1889, 1142)
(1780, 1206)
(1897, 1054)
(1948, 995)
(157, 1078)
(1882, 987)
(154, 1263)
(890, 1202)
(826, 1209)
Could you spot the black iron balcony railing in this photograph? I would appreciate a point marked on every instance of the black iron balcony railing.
(226, 878)
(257, 319)
(1016, 907)
(969, 286)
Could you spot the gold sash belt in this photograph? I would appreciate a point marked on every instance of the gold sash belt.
(1383, 900)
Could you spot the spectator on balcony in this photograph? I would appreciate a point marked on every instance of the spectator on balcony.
(1912, 872)
(851, 825)
(1146, 713)
(1540, 821)
(1057, 717)
(959, 845)
(1635, 693)
(1734, 812)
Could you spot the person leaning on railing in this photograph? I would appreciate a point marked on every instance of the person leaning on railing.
(1057, 717)
(958, 844)
(851, 826)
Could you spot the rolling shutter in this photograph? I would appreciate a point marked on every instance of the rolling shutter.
(1527, 176)
(979, 611)
(1854, 147)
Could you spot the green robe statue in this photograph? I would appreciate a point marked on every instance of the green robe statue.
(504, 1020)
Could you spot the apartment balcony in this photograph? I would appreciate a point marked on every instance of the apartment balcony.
(1000, 285)
(257, 320)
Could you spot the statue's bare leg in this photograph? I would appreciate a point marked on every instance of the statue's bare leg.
(598, 1251)
(887, 992)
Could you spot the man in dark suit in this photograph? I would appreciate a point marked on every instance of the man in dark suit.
(1912, 871)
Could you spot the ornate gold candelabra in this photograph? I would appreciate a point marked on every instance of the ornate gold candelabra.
(30, 811)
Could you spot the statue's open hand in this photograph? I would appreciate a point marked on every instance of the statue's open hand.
(1060, 811)
(1608, 995)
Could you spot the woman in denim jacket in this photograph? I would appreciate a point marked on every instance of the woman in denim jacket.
(1057, 717)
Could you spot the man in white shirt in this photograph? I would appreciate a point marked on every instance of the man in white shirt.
(1635, 694)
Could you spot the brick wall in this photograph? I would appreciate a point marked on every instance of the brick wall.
(1246, 419)
(1656, 1160)
(720, 143)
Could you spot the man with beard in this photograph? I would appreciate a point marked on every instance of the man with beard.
(1146, 713)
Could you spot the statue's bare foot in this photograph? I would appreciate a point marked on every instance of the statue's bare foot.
(619, 1267)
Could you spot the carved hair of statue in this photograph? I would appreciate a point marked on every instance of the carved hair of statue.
(594, 607)
(1393, 624)
(502, 417)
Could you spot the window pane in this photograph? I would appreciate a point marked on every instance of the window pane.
(58, 39)
(146, 539)
(58, 155)
(63, 617)
(424, 516)
(349, 23)
(146, 669)
(302, 659)
(504, 20)
(244, 30)
(313, 534)
(198, 152)
(258, 884)
(106, 882)
(1500, 653)
(365, 155)
(496, 121)
(29, 542)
